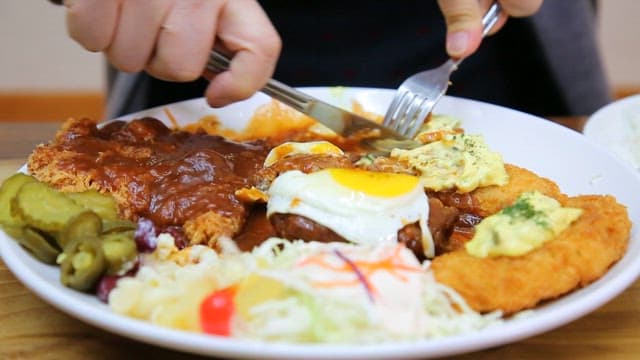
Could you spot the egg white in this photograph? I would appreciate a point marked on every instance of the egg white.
(293, 148)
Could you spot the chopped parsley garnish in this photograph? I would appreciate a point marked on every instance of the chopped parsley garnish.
(522, 209)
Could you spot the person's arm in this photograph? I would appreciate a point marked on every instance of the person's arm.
(171, 40)
(464, 21)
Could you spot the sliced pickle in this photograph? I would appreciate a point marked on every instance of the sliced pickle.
(38, 245)
(42, 207)
(120, 251)
(14, 232)
(8, 191)
(103, 205)
(109, 226)
(83, 263)
(85, 224)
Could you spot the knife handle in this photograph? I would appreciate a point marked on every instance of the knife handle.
(219, 62)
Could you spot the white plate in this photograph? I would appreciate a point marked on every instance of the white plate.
(617, 127)
(576, 164)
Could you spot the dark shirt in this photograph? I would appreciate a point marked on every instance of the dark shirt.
(380, 43)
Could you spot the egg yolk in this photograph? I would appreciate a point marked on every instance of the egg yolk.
(283, 150)
(292, 148)
(323, 147)
(375, 183)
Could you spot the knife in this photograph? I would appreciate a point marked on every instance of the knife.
(339, 120)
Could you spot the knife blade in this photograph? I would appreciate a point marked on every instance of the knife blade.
(337, 119)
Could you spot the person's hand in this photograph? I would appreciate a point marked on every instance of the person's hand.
(464, 21)
(171, 40)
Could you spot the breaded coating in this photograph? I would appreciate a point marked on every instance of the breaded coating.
(48, 163)
(169, 176)
(208, 227)
(576, 257)
(491, 199)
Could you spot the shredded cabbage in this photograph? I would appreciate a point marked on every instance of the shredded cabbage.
(311, 314)
(323, 301)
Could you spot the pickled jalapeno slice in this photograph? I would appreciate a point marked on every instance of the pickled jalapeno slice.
(83, 263)
(85, 224)
(120, 251)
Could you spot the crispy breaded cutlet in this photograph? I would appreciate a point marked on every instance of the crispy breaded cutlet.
(172, 177)
(488, 200)
(578, 256)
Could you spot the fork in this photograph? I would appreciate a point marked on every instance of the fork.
(418, 94)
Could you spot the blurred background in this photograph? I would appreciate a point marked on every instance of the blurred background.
(46, 76)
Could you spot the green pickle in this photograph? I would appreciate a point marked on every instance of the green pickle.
(14, 232)
(109, 226)
(43, 207)
(85, 224)
(38, 244)
(83, 263)
(103, 205)
(120, 251)
(8, 191)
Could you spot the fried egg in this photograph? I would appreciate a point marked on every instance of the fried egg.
(363, 207)
(292, 148)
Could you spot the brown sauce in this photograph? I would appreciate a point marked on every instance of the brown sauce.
(171, 176)
(462, 231)
(256, 229)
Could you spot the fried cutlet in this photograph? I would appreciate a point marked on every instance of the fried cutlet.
(171, 177)
(488, 200)
(576, 257)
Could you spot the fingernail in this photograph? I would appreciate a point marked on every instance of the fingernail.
(457, 43)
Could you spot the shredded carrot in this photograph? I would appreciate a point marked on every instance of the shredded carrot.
(437, 135)
(392, 264)
(363, 279)
(363, 270)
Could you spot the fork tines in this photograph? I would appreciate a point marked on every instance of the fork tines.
(410, 109)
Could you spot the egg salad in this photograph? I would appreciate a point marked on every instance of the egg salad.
(524, 226)
(438, 127)
(458, 161)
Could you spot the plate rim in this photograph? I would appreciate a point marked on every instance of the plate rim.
(594, 118)
(611, 112)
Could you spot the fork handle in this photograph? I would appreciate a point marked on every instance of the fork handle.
(490, 18)
(219, 62)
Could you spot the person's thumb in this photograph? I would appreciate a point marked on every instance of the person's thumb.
(464, 26)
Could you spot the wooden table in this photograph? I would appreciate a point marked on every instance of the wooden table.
(30, 328)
